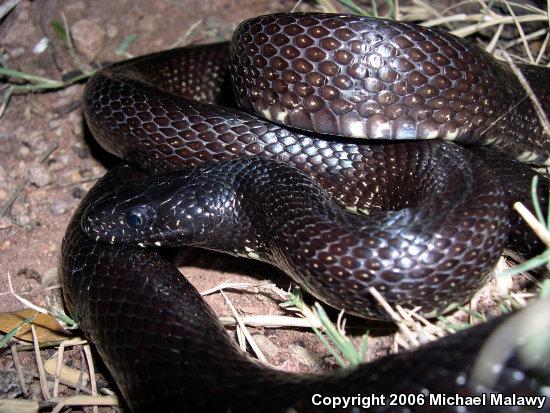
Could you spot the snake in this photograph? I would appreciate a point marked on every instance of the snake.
(356, 154)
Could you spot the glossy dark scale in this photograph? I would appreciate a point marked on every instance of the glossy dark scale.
(435, 253)
(442, 213)
(381, 79)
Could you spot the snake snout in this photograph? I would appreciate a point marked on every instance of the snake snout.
(169, 210)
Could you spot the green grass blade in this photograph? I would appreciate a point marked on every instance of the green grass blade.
(534, 262)
(13, 332)
(122, 50)
(545, 290)
(535, 200)
(59, 30)
(354, 8)
(30, 77)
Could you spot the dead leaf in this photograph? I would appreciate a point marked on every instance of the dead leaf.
(67, 373)
(47, 327)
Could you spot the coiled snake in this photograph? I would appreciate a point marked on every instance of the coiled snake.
(438, 213)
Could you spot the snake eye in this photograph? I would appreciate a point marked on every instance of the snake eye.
(136, 218)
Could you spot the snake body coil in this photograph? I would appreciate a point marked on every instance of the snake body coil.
(438, 219)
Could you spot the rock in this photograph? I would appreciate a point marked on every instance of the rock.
(24, 220)
(81, 150)
(112, 31)
(51, 276)
(54, 123)
(305, 356)
(78, 192)
(5, 222)
(59, 162)
(267, 347)
(78, 129)
(60, 206)
(39, 175)
(24, 151)
(10, 387)
(88, 37)
(4, 179)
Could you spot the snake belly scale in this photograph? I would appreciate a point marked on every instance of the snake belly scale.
(438, 214)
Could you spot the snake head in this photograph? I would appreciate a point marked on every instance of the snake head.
(170, 209)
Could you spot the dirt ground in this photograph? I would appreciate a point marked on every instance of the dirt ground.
(48, 160)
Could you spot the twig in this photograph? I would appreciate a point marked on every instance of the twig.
(17, 364)
(15, 193)
(40, 365)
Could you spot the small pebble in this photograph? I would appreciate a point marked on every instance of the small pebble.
(60, 206)
(23, 14)
(5, 223)
(54, 123)
(9, 385)
(39, 175)
(112, 31)
(305, 356)
(50, 277)
(3, 175)
(266, 346)
(81, 150)
(89, 37)
(78, 192)
(78, 128)
(41, 46)
(75, 5)
(59, 162)
(24, 220)
(18, 51)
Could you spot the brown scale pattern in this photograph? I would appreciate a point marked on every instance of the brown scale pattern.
(381, 79)
(183, 361)
(435, 251)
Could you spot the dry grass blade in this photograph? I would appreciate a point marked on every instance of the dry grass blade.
(428, 7)
(270, 321)
(542, 50)
(395, 317)
(474, 28)
(495, 39)
(537, 227)
(7, 6)
(40, 364)
(19, 370)
(244, 330)
(521, 33)
(540, 111)
(83, 401)
(91, 371)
